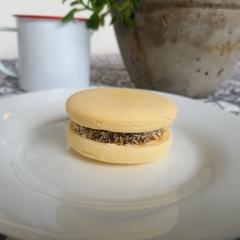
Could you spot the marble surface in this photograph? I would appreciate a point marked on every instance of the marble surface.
(109, 71)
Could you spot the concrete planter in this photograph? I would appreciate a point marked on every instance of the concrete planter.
(183, 47)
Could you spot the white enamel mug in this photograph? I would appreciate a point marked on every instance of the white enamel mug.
(52, 54)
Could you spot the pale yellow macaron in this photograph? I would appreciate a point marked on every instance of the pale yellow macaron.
(119, 125)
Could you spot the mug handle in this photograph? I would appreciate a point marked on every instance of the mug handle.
(2, 67)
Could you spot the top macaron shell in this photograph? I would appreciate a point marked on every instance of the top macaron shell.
(121, 110)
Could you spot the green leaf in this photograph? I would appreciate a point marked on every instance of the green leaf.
(136, 4)
(74, 3)
(102, 19)
(114, 19)
(94, 21)
(98, 5)
(109, 3)
(127, 19)
(100, 8)
(122, 8)
(116, 7)
(69, 16)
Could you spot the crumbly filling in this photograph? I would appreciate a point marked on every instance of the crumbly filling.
(116, 137)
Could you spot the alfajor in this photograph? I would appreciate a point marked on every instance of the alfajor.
(119, 125)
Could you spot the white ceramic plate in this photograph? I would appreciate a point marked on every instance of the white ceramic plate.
(47, 191)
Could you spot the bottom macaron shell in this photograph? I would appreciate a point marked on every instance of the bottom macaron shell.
(120, 154)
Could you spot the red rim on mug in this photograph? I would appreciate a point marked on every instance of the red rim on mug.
(46, 17)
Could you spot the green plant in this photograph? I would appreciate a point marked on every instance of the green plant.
(101, 8)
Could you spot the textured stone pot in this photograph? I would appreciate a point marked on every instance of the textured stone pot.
(186, 47)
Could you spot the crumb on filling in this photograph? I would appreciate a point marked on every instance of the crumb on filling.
(118, 138)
